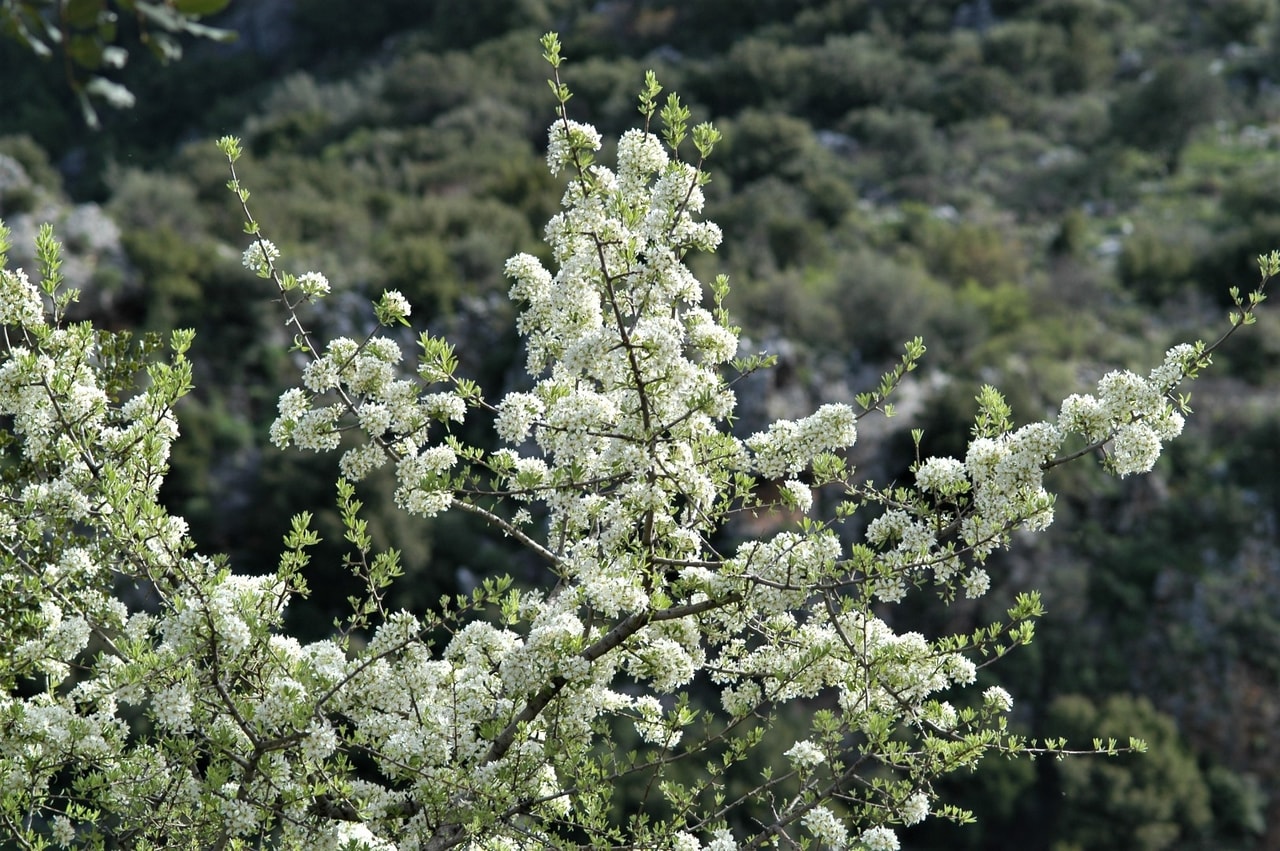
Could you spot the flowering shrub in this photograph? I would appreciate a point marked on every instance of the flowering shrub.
(153, 699)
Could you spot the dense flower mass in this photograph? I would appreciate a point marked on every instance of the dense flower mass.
(19, 299)
(175, 710)
(260, 256)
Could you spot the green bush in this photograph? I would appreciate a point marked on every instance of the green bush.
(1160, 112)
(34, 161)
(1156, 263)
(1131, 803)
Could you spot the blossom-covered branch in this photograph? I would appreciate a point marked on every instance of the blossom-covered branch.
(194, 718)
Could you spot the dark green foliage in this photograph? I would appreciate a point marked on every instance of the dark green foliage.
(92, 38)
(326, 25)
(960, 251)
(169, 265)
(972, 91)
(1143, 803)
(907, 147)
(1062, 57)
(1160, 113)
(1238, 803)
(34, 161)
(759, 144)
(1239, 21)
(1071, 236)
(1156, 264)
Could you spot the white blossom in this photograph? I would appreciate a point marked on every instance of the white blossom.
(566, 136)
(916, 809)
(826, 827)
(260, 256)
(62, 831)
(393, 307)
(800, 495)
(685, 842)
(805, 755)
(879, 839)
(19, 300)
(943, 476)
(722, 840)
(313, 284)
(622, 477)
(998, 699)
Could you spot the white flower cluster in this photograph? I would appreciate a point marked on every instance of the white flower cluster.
(354, 836)
(1007, 477)
(640, 155)
(62, 831)
(61, 639)
(226, 614)
(622, 470)
(392, 308)
(651, 725)
(827, 828)
(797, 494)
(627, 358)
(420, 488)
(392, 412)
(907, 541)
(805, 755)
(172, 708)
(45, 391)
(260, 257)
(879, 839)
(945, 477)
(19, 300)
(313, 284)
(785, 568)
(998, 699)
(1130, 412)
(788, 447)
(916, 809)
(517, 413)
(564, 138)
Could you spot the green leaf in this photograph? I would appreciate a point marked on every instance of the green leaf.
(200, 8)
(85, 51)
(81, 14)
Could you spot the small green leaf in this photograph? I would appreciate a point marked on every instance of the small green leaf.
(200, 8)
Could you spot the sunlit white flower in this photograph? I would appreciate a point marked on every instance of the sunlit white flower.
(943, 476)
(916, 809)
(62, 831)
(259, 257)
(19, 300)
(997, 698)
(313, 284)
(805, 755)
(826, 828)
(392, 308)
(879, 839)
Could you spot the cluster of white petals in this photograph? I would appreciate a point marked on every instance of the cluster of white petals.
(827, 828)
(789, 447)
(19, 300)
(879, 839)
(194, 718)
(1132, 414)
(260, 256)
(805, 755)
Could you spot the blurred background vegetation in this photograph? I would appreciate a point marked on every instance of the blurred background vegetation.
(1043, 189)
